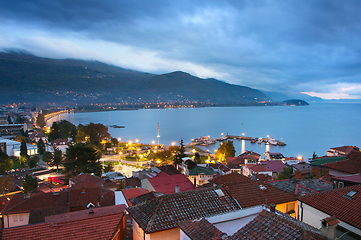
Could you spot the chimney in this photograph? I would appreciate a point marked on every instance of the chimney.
(298, 175)
(272, 207)
(329, 227)
(177, 190)
(195, 182)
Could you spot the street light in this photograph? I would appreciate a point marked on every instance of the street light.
(153, 142)
(173, 143)
(136, 140)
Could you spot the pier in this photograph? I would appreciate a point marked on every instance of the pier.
(207, 141)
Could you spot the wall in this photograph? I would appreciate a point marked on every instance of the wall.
(146, 185)
(15, 220)
(286, 207)
(313, 217)
(170, 234)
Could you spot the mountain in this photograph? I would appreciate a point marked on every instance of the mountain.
(27, 78)
(279, 97)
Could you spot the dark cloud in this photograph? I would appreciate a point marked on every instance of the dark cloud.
(275, 45)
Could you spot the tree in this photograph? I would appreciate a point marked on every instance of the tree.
(41, 146)
(47, 157)
(314, 156)
(23, 149)
(9, 120)
(96, 133)
(30, 184)
(108, 168)
(9, 164)
(57, 158)
(82, 158)
(180, 155)
(197, 158)
(286, 173)
(2, 168)
(80, 136)
(33, 160)
(23, 160)
(41, 120)
(54, 132)
(67, 130)
(226, 149)
(6, 184)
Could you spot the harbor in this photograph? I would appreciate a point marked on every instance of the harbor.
(207, 141)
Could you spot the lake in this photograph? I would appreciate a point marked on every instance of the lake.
(305, 129)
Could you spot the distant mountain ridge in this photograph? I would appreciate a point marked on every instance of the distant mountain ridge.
(27, 78)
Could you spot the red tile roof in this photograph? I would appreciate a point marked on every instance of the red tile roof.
(169, 169)
(335, 202)
(356, 178)
(166, 183)
(259, 168)
(343, 149)
(274, 165)
(86, 177)
(3, 201)
(200, 229)
(250, 194)
(349, 165)
(132, 193)
(230, 178)
(145, 197)
(268, 225)
(90, 226)
(46, 204)
(164, 212)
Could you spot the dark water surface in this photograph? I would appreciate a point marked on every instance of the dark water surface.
(304, 129)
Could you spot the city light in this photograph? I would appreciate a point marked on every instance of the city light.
(173, 143)
(136, 140)
(119, 139)
(153, 142)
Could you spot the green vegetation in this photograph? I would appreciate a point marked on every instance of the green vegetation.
(286, 173)
(30, 184)
(226, 149)
(33, 160)
(180, 155)
(6, 184)
(41, 146)
(82, 158)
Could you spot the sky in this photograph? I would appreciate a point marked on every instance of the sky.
(287, 46)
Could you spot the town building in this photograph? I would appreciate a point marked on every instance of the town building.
(258, 222)
(343, 203)
(157, 218)
(95, 223)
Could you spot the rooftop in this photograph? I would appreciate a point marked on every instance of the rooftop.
(230, 178)
(337, 202)
(274, 165)
(250, 194)
(164, 212)
(354, 178)
(322, 160)
(303, 187)
(86, 177)
(102, 224)
(132, 193)
(168, 169)
(348, 165)
(166, 183)
(199, 170)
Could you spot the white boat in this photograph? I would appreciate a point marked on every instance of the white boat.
(260, 140)
(272, 141)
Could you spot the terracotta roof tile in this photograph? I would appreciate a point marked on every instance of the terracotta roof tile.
(343, 149)
(355, 178)
(260, 168)
(335, 202)
(132, 193)
(229, 178)
(250, 194)
(302, 187)
(86, 177)
(274, 165)
(145, 197)
(351, 165)
(165, 211)
(166, 183)
(268, 225)
(200, 229)
(132, 182)
(169, 169)
(96, 227)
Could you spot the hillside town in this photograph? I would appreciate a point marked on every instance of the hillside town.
(77, 182)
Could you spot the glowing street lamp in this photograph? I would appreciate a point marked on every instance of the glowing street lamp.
(173, 143)
(153, 142)
(136, 140)
(119, 139)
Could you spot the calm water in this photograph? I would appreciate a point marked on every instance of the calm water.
(304, 129)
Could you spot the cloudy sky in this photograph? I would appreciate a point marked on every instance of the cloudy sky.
(284, 45)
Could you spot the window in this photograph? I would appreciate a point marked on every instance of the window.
(15, 218)
(351, 194)
(20, 217)
(340, 184)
